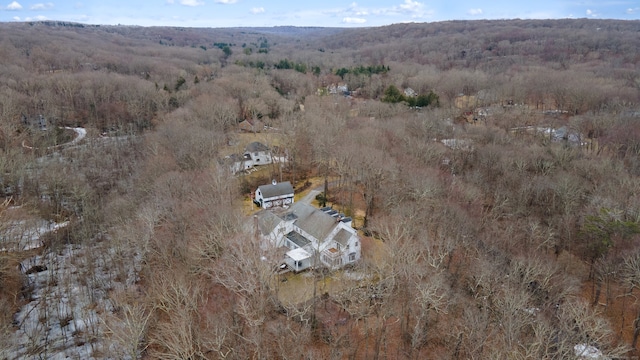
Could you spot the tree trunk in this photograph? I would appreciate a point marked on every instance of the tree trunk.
(636, 330)
(369, 210)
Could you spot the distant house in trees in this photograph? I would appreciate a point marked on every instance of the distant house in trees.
(38, 122)
(237, 163)
(409, 92)
(251, 126)
(259, 153)
(255, 154)
(310, 236)
(458, 144)
(339, 89)
(274, 195)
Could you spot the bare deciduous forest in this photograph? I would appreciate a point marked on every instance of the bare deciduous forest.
(491, 169)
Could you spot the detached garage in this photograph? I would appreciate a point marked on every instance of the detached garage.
(274, 195)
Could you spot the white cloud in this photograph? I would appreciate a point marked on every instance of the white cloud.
(16, 18)
(412, 6)
(227, 2)
(14, 6)
(41, 6)
(357, 10)
(415, 9)
(170, 2)
(191, 2)
(475, 11)
(591, 13)
(632, 10)
(352, 20)
(257, 10)
(37, 18)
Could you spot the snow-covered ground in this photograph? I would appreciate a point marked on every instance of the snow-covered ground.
(22, 235)
(81, 133)
(584, 351)
(68, 296)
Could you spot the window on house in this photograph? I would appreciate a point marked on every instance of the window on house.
(352, 257)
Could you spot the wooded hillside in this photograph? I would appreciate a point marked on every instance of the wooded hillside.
(491, 168)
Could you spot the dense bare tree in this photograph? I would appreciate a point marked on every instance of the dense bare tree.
(474, 251)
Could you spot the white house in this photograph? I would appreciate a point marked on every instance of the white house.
(255, 154)
(326, 237)
(259, 153)
(341, 89)
(273, 195)
(409, 92)
(236, 163)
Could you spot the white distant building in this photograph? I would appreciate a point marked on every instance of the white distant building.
(410, 92)
(341, 89)
(259, 153)
(255, 154)
(311, 236)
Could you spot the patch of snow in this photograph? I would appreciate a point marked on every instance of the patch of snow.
(585, 351)
(531, 311)
(81, 133)
(22, 235)
(69, 291)
(354, 275)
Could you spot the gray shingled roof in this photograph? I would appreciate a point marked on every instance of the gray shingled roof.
(342, 237)
(257, 146)
(267, 221)
(279, 189)
(313, 221)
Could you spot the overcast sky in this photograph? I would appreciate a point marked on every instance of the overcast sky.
(330, 13)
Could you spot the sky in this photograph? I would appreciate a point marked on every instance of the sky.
(326, 13)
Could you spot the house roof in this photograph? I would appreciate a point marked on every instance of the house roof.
(314, 222)
(278, 189)
(298, 254)
(267, 221)
(298, 239)
(251, 125)
(342, 237)
(257, 146)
